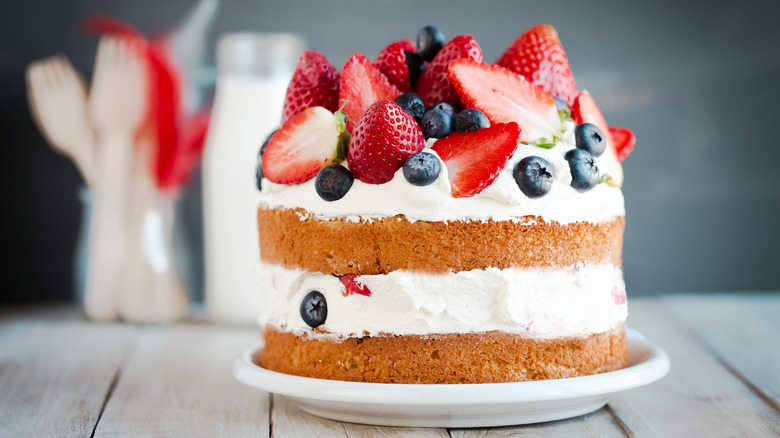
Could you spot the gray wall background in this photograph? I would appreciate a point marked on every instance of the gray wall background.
(699, 83)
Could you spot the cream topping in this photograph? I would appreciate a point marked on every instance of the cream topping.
(501, 200)
(542, 303)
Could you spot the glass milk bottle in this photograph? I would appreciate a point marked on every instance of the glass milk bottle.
(253, 73)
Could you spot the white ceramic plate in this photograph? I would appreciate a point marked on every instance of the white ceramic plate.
(458, 405)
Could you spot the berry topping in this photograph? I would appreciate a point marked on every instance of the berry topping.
(474, 158)
(534, 176)
(422, 169)
(505, 97)
(436, 124)
(412, 104)
(584, 171)
(430, 40)
(450, 107)
(259, 171)
(306, 143)
(314, 309)
(538, 55)
(590, 138)
(353, 286)
(416, 65)
(362, 83)
(434, 84)
(381, 141)
(624, 141)
(333, 182)
(314, 83)
(392, 62)
(470, 120)
(585, 110)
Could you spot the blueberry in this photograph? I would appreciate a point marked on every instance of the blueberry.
(333, 182)
(422, 169)
(584, 171)
(470, 120)
(436, 124)
(560, 104)
(415, 64)
(259, 171)
(449, 107)
(429, 41)
(412, 104)
(314, 309)
(590, 138)
(534, 176)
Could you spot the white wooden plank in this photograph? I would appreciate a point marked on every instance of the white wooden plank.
(598, 424)
(54, 376)
(178, 383)
(699, 397)
(290, 422)
(742, 329)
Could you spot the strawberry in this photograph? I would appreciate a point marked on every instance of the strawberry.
(392, 62)
(362, 83)
(353, 286)
(474, 158)
(538, 55)
(624, 141)
(382, 140)
(314, 83)
(620, 140)
(434, 84)
(504, 96)
(306, 143)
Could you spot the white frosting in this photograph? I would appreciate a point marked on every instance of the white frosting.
(502, 200)
(576, 301)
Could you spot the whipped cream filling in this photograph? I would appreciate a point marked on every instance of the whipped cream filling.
(501, 200)
(543, 303)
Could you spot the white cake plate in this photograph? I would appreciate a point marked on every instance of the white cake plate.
(458, 405)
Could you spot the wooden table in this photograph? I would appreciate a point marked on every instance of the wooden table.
(61, 376)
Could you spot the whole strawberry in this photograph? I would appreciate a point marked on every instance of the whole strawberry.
(314, 83)
(392, 62)
(381, 142)
(434, 85)
(538, 55)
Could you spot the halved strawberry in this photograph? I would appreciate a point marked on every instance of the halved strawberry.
(538, 55)
(504, 96)
(474, 158)
(392, 62)
(306, 143)
(434, 84)
(314, 83)
(362, 83)
(624, 141)
(382, 140)
(353, 286)
(620, 140)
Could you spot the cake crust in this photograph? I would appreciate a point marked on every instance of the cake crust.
(489, 357)
(294, 239)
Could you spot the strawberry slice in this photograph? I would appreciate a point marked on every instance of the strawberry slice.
(353, 286)
(585, 110)
(434, 85)
(538, 55)
(474, 158)
(306, 143)
(392, 62)
(314, 83)
(362, 83)
(382, 140)
(624, 141)
(505, 97)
